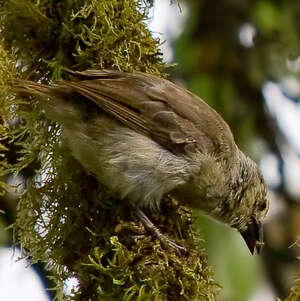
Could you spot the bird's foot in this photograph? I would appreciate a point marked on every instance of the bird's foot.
(154, 230)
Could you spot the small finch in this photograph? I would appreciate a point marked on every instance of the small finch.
(143, 137)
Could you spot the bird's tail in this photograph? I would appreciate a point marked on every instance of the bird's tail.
(33, 88)
(56, 100)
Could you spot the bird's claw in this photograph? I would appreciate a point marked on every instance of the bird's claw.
(153, 229)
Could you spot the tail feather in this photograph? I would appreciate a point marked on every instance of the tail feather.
(34, 88)
(54, 99)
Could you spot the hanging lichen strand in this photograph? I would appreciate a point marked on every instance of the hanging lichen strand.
(65, 218)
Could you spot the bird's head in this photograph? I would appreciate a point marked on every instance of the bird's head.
(257, 203)
(235, 194)
(247, 204)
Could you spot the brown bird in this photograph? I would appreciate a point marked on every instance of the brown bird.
(144, 137)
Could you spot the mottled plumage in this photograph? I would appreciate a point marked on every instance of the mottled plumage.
(143, 137)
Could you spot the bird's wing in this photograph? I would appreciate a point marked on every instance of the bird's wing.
(172, 116)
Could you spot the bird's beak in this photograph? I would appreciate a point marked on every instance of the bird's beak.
(253, 236)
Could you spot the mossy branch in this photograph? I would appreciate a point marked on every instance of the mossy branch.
(66, 218)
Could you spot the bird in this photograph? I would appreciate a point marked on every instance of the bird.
(145, 137)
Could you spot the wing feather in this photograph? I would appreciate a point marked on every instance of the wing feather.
(169, 114)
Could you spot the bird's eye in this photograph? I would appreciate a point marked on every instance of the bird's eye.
(263, 205)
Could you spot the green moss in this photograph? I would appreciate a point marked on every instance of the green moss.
(81, 34)
(7, 111)
(66, 219)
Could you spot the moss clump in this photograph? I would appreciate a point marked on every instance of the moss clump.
(82, 34)
(7, 71)
(66, 219)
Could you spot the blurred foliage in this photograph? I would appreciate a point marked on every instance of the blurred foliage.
(65, 218)
(228, 50)
(235, 269)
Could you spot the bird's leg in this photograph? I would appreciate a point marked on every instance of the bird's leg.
(154, 230)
